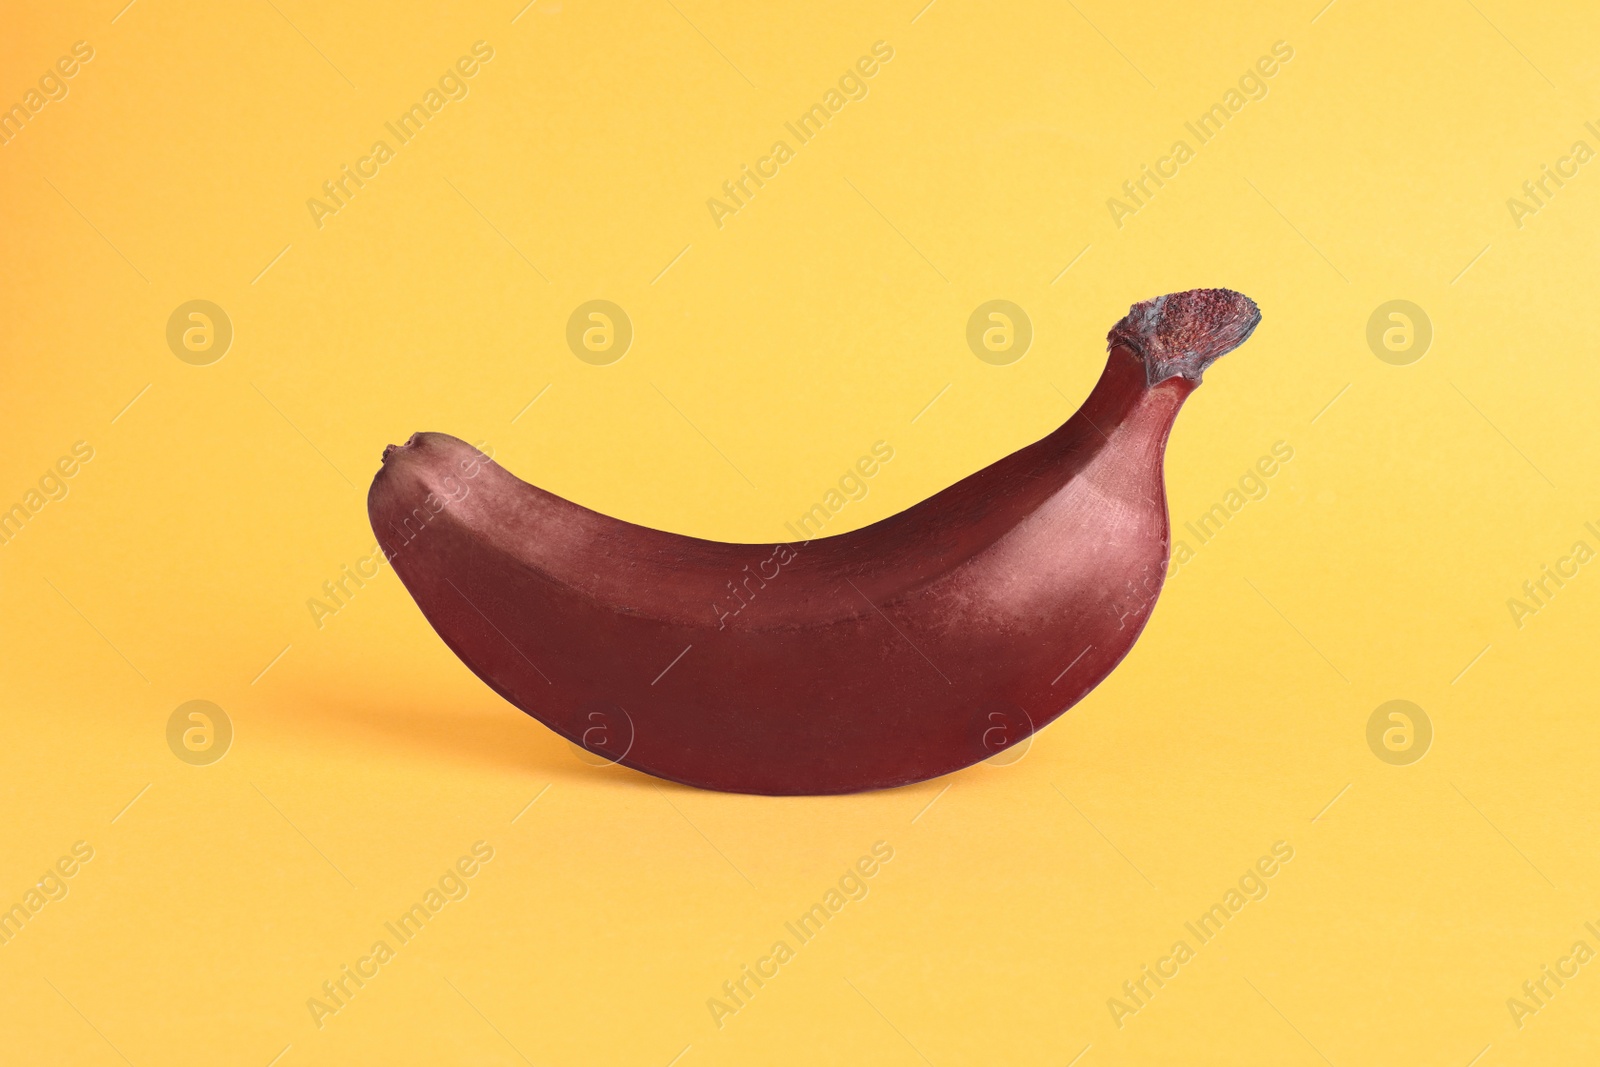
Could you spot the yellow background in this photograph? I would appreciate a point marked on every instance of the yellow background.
(822, 317)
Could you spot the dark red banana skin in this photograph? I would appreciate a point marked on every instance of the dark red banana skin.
(891, 654)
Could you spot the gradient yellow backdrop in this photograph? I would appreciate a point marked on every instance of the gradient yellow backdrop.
(769, 352)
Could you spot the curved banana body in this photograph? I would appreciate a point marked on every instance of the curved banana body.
(891, 654)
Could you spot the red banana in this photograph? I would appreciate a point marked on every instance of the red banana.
(890, 654)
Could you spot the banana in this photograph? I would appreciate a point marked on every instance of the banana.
(891, 654)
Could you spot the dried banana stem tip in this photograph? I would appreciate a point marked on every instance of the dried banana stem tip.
(1181, 334)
